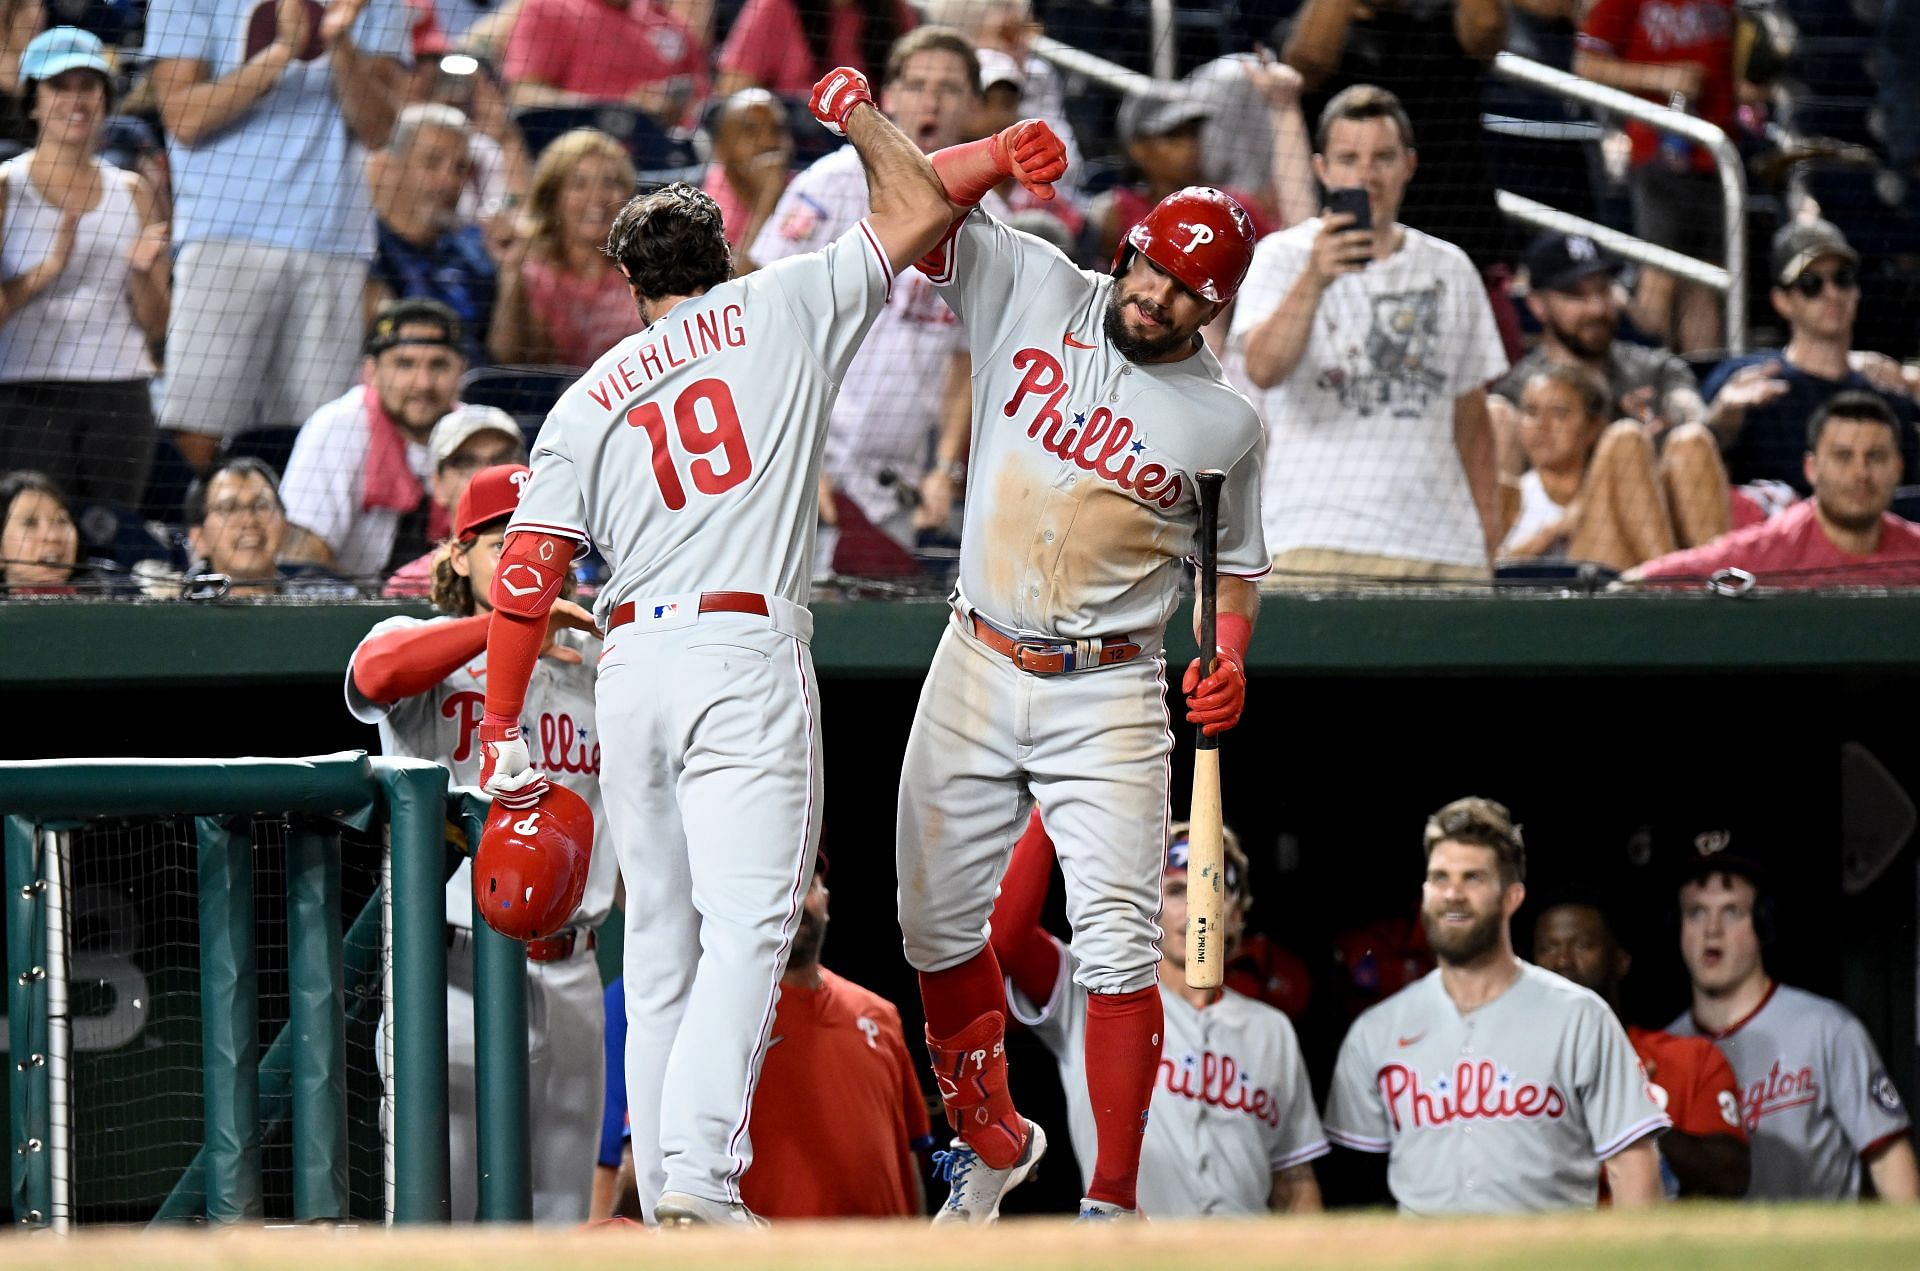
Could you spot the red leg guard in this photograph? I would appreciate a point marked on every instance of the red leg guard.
(970, 1067)
(1123, 1058)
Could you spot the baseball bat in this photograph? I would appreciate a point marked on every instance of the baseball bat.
(1206, 853)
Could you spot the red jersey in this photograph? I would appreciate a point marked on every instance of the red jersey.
(1662, 33)
(838, 1111)
(589, 47)
(1791, 550)
(1691, 1080)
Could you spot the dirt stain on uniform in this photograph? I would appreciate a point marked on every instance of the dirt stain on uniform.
(1115, 542)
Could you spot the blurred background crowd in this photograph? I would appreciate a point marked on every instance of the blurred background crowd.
(277, 278)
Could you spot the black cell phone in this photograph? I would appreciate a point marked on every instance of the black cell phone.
(1351, 199)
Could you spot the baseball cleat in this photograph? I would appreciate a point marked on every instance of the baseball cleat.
(1092, 1210)
(978, 1187)
(678, 1209)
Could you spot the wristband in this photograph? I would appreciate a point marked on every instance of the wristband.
(1232, 633)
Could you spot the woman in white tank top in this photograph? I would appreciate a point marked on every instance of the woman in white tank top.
(83, 287)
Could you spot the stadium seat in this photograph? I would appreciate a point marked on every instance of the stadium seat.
(659, 155)
(271, 446)
(525, 392)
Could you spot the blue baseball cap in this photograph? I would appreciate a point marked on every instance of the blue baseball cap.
(64, 48)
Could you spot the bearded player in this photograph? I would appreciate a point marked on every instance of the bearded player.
(1095, 403)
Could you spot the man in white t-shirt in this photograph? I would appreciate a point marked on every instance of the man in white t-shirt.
(1367, 352)
(897, 443)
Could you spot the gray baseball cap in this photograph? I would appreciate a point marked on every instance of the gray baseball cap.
(1800, 243)
(1157, 113)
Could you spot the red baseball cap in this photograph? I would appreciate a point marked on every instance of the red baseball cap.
(492, 495)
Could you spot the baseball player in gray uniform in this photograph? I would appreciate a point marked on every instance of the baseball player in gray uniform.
(1233, 1128)
(423, 681)
(1490, 1084)
(1815, 1099)
(690, 453)
(1095, 402)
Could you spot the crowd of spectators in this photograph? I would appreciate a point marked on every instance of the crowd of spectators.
(205, 218)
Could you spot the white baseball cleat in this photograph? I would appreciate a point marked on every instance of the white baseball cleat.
(1097, 1211)
(678, 1209)
(977, 1186)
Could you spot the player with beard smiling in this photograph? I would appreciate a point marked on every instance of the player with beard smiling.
(1490, 1084)
(839, 1122)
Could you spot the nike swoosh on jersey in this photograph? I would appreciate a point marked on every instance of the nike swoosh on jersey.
(1073, 343)
(1411, 1041)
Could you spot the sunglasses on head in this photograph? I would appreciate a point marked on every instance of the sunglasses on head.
(1811, 284)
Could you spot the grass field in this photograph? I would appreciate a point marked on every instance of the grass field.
(1866, 1238)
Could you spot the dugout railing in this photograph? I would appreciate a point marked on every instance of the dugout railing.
(298, 1083)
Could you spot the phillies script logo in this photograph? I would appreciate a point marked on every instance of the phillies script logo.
(562, 740)
(1776, 1092)
(1474, 1090)
(1101, 443)
(1216, 1080)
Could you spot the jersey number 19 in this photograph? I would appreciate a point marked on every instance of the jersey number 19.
(697, 438)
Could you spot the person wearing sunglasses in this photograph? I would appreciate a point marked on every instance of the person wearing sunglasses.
(1760, 402)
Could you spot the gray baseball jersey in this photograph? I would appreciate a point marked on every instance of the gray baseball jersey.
(1814, 1095)
(443, 725)
(1513, 1106)
(1080, 497)
(1231, 1103)
(690, 453)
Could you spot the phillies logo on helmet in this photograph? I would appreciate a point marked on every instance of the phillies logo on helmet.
(1202, 237)
(1201, 234)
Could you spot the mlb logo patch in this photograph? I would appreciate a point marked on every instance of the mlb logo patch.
(666, 611)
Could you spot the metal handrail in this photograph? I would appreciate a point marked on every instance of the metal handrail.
(1730, 281)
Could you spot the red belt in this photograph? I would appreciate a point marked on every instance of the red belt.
(557, 947)
(1051, 657)
(710, 602)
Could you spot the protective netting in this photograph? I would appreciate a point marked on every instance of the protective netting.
(275, 173)
(137, 1072)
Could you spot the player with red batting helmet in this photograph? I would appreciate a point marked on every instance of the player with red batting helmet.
(1201, 237)
(534, 875)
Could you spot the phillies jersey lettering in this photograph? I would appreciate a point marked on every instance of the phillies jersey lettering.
(557, 723)
(1814, 1094)
(1080, 501)
(1512, 1106)
(1231, 1104)
(690, 452)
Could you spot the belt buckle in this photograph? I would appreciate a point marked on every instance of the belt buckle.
(1041, 648)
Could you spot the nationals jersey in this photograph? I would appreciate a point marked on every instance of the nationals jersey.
(1693, 1084)
(1081, 502)
(889, 408)
(838, 1112)
(690, 453)
(1231, 1105)
(1814, 1097)
(1512, 1106)
(443, 725)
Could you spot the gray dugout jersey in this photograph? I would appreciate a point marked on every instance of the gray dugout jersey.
(443, 725)
(1231, 1103)
(690, 453)
(1510, 1107)
(1081, 503)
(1814, 1095)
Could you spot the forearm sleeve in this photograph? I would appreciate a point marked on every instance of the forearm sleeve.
(970, 170)
(410, 661)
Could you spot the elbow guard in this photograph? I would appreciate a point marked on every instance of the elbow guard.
(533, 568)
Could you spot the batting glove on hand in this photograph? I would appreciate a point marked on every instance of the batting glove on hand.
(506, 772)
(835, 96)
(1215, 703)
(1032, 154)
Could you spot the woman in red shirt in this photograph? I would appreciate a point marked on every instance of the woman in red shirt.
(759, 52)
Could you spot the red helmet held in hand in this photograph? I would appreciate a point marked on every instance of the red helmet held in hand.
(530, 869)
(1202, 237)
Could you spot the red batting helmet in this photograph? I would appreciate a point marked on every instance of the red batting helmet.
(531, 867)
(1202, 237)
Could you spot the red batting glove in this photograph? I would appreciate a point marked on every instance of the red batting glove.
(1215, 703)
(506, 772)
(835, 96)
(1031, 154)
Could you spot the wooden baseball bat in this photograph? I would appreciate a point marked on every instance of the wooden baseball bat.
(1206, 853)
